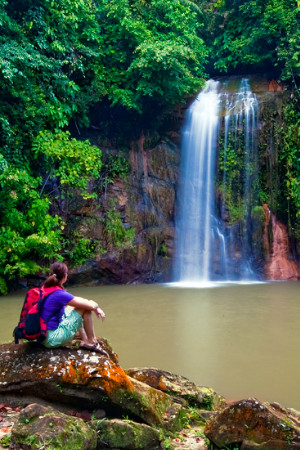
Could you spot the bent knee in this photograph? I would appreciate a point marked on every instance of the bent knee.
(80, 311)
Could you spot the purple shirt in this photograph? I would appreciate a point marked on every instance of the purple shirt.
(54, 308)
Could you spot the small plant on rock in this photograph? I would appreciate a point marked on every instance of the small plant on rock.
(5, 441)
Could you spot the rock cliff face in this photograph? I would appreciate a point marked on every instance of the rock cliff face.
(143, 202)
(143, 205)
(279, 265)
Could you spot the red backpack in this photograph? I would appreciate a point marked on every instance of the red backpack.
(31, 326)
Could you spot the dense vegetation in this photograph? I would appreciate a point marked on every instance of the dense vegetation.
(59, 58)
(264, 36)
(257, 34)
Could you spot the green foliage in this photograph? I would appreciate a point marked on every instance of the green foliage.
(60, 388)
(3, 286)
(163, 250)
(6, 440)
(272, 42)
(167, 444)
(115, 232)
(289, 158)
(47, 50)
(82, 249)
(291, 155)
(231, 172)
(194, 416)
(238, 183)
(258, 213)
(114, 166)
(131, 58)
(263, 197)
(70, 162)
(59, 58)
(288, 48)
(27, 232)
(152, 51)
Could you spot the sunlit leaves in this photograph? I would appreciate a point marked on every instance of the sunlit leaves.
(47, 54)
(27, 232)
(73, 163)
(153, 50)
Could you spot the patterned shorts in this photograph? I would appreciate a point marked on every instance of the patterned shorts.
(68, 327)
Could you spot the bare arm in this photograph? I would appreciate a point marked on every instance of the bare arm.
(90, 305)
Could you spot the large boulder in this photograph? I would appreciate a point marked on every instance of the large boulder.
(39, 427)
(81, 378)
(179, 387)
(155, 403)
(255, 425)
(127, 434)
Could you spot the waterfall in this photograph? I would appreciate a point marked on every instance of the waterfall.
(207, 247)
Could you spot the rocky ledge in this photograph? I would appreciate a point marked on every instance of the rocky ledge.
(73, 398)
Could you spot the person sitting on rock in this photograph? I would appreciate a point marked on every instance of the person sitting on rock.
(64, 322)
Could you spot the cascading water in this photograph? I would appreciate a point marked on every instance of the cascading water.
(207, 248)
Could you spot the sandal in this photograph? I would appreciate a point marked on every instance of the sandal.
(94, 348)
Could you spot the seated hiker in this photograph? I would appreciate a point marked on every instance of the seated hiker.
(64, 322)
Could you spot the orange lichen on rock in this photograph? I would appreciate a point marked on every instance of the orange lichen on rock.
(113, 378)
(253, 420)
(67, 374)
(150, 376)
(82, 370)
(75, 373)
(107, 376)
(47, 371)
(161, 385)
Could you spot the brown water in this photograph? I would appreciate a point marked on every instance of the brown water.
(241, 340)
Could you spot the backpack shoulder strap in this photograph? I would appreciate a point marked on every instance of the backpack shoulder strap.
(48, 291)
(45, 292)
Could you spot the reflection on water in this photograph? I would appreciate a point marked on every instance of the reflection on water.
(242, 340)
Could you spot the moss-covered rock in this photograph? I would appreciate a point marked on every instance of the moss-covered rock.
(179, 387)
(126, 434)
(43, 427)
(264, 425)
(82, 378)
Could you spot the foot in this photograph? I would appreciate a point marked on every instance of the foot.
(93, 348)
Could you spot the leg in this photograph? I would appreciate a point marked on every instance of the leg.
(66, 330)
(87, 333)
(83, 335)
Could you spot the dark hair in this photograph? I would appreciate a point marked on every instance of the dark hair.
(58, 271)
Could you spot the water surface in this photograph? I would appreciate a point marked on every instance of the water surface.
(241, 340)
